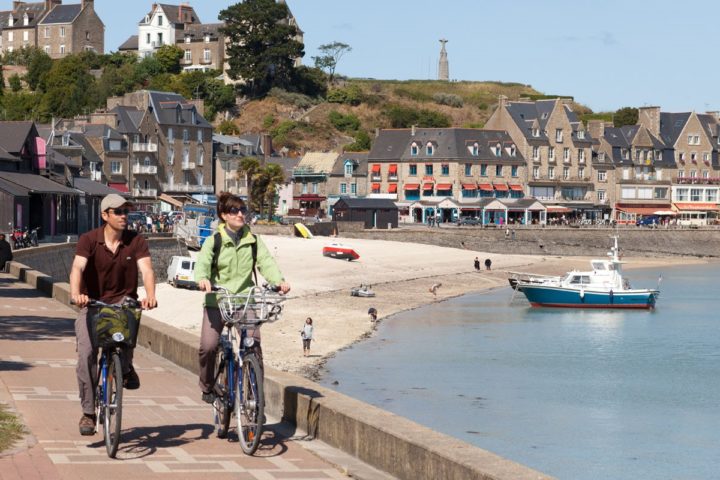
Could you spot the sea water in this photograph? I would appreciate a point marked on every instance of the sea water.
(577, 394)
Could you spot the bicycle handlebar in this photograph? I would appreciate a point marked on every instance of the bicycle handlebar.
(266, 287)
(127, 302)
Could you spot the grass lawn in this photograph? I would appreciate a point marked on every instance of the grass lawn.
(11, 430)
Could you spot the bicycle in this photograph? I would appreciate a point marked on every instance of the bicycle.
(112, 329)
(238, 379)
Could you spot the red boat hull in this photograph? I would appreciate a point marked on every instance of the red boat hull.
(340, 253)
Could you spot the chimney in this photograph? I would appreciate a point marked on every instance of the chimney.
(266, 144)
(17, 4)
(596, 128)
(502, 101)
(49, 4)
(649, 117)
(715, 115)
(87, 3)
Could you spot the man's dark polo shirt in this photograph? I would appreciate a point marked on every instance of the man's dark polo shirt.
(109, 277)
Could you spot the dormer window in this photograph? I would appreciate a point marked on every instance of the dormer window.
(601, 156)
(193, 116)
(207, 38)
(26, 20)
(581, 134)
(429, 149)
(498, 150)
(476, 149)
(348, 168)
(535, 132)
(178, 114)
(414, 149)
(160, 20)
(187, 38)
(66, 140)
(513, 150)
(559, 135)
(11, 21)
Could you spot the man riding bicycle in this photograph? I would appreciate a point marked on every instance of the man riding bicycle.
(105, 267)
(230, 265)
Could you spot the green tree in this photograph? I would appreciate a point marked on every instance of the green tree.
(362, 143)
(344, 123)
(625, 116)
(405, 117)
(309, 81)
(248, 168)
(262, 44)
(228, 127)
(146, 69)
(265, 187)
(69, 89)
(40, 65)
(331, 53)
(169, 57)
(15, 83)
(20, 106)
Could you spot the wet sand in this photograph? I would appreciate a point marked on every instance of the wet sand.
(401, 275)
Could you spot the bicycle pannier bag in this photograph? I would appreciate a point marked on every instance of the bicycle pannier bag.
(114, 326)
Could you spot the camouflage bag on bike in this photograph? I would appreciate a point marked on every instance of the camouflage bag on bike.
(109, 326)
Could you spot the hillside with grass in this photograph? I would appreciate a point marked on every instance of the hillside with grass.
(353, 108)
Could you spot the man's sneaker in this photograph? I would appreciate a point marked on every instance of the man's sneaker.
(131, 380)
(87, 425)
(208, 397)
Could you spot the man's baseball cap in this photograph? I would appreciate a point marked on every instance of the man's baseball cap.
(113, 201)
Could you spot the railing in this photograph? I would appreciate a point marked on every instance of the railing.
(392, 178)
(177, 187)
(697, 180)
(144, 147)
(145, 169)
(375, 178)
(145, 192)
(188, 166)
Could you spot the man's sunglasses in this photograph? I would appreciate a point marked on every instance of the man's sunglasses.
(120, 211)
(236, 210)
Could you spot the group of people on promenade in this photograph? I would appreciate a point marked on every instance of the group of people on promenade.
(106, 266)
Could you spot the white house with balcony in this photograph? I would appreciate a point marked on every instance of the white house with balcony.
(163, 25)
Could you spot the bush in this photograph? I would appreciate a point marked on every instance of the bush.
(344, 123)
(412, 94)
(351, 95)
(297, 99)
(448, 99)
(15, 83)
(362, 143)
(283, 129)
(268, 122)
(228, 127)
(404, 117)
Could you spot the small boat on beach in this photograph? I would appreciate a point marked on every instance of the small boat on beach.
(362, 291)
(340, 251)
(602, 287)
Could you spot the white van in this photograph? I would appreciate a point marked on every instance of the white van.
(180, 272)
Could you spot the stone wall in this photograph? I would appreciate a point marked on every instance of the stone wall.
(56, 260)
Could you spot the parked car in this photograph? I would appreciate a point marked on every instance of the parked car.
(469, 221)
(648, 221)
(181, 272)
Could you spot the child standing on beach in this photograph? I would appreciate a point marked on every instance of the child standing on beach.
(307, 334)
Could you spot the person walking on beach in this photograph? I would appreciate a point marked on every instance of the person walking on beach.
(434, 288)
(307, 334)
(488, 262)
(477, 264)
(373, 313)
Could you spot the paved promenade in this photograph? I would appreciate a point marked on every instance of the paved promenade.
(167, 431)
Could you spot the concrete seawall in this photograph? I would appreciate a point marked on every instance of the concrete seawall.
(634, 241)
(391, 443)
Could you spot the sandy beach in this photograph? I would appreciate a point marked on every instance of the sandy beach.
(401, 275)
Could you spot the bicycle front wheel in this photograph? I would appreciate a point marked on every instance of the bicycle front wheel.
(222, 407)
(250, 404)
(112, 403)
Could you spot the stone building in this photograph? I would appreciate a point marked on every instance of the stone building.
(558, 152)
(445, 173)
(57, 29)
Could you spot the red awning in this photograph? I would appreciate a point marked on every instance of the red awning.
(309, 197)
(641, 210)
(469, 186)
(412, 186)
(444, 186)
(486, 187)
(376, 168)
(558, 209)
(376, 186)
(516, 188)
(392, 188)
(501, 187)
(393, 169)
(427, 186)
(120, 187)
(696, 207)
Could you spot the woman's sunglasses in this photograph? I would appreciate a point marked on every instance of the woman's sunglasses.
(236, 210)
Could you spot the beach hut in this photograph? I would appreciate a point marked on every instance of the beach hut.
(373, 212)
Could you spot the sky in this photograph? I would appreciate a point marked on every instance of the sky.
(606, 53)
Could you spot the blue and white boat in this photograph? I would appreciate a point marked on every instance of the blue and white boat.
(602, 287)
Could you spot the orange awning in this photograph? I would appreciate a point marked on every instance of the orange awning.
(516, 188)
(640, 210)
(558, 209)
(500, 187)
(427, 186)
(412, 186)
(469, 186)
(392, 188)
(486, 187)
(696, 207)
(393, 169)
(376, 186)
(376, 168)
(444, 186)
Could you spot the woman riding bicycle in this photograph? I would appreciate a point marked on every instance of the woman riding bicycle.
(239, 252)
